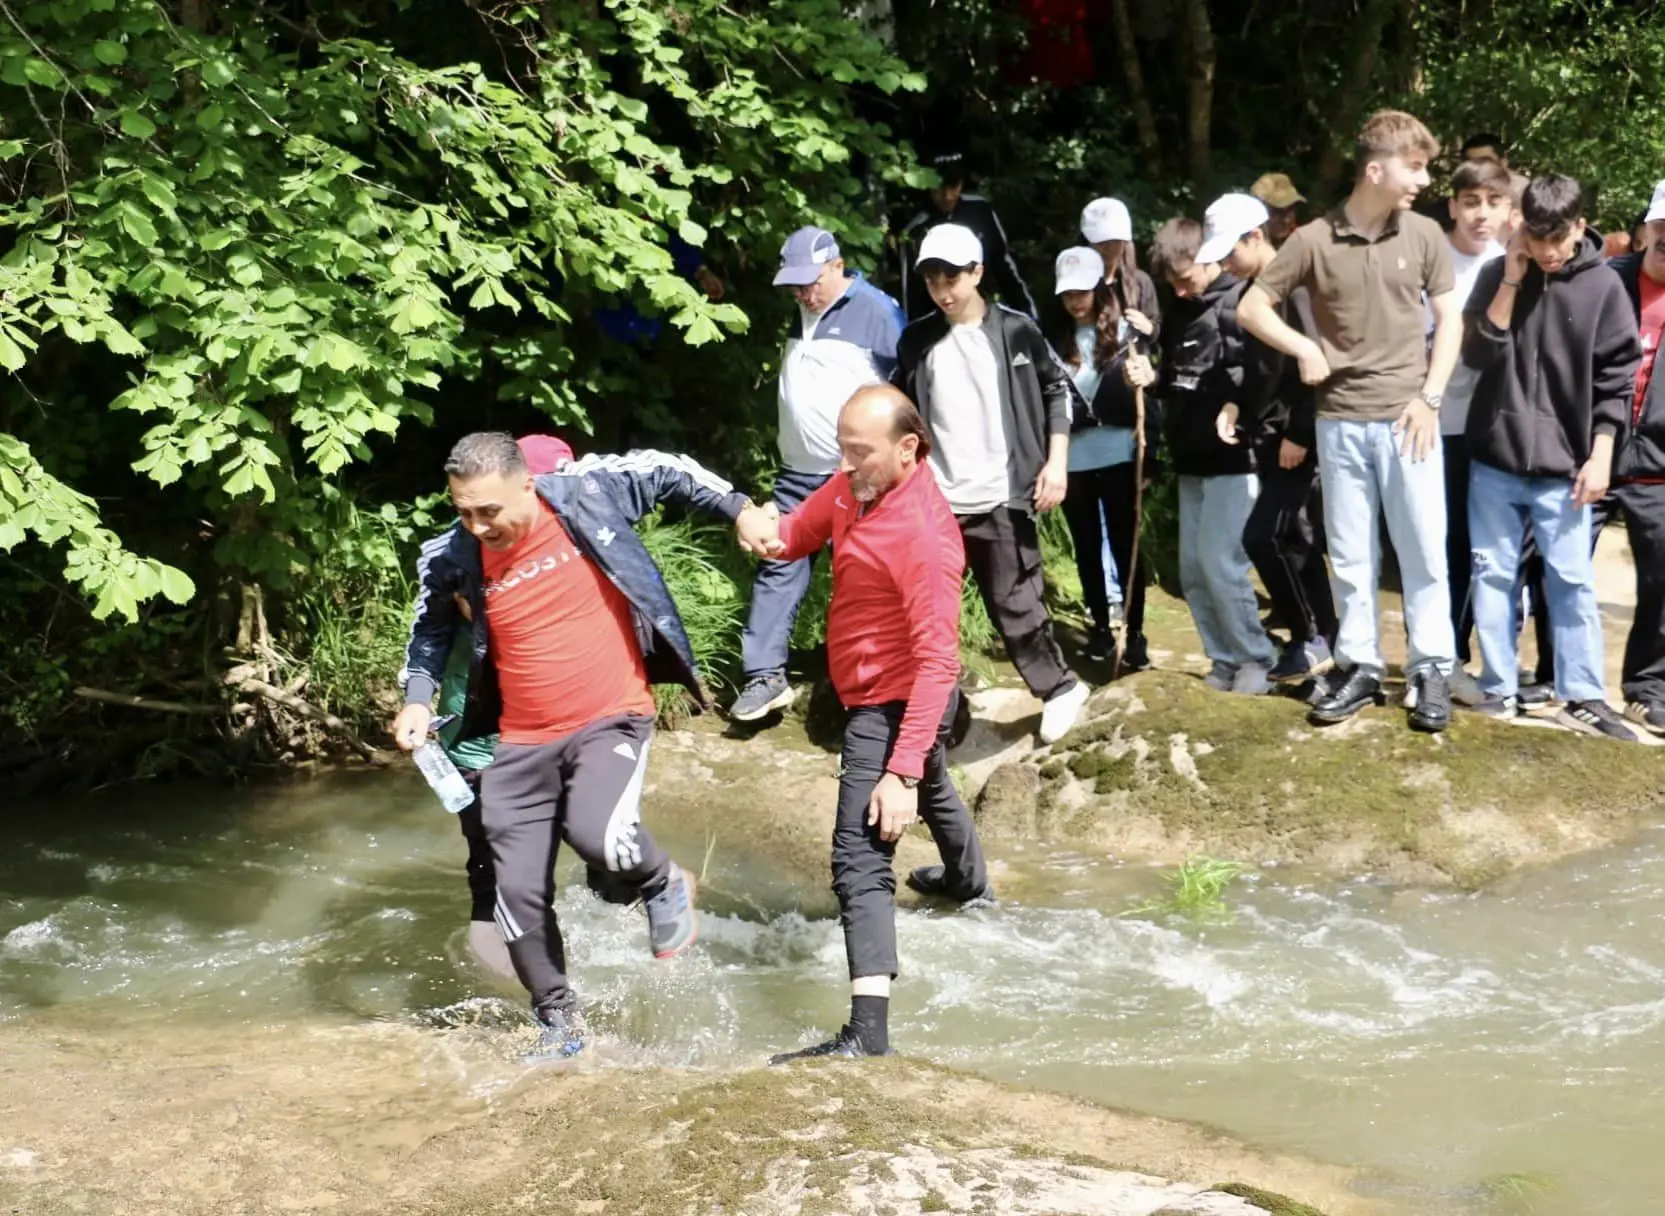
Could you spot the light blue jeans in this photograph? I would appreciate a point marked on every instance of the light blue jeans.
(1499, 505)
(1363, 473)
(1214, 569)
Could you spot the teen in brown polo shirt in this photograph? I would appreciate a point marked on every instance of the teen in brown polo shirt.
(1368, 266)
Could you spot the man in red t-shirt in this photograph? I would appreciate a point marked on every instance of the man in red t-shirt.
(571, 623)
(893, 651)
(1638, 494)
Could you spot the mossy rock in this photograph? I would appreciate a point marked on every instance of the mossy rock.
(1007, 803)
(1250, 778)
(1278, 1205)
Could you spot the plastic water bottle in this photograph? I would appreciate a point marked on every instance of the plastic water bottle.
(443, 777)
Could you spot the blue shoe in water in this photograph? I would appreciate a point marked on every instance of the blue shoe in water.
(560, 1035)
(673, 923)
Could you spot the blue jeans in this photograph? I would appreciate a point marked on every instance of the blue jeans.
(1363, 473)
(1214, 569)
(778, 589)
(1499, 507)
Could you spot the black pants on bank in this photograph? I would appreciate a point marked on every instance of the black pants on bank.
(585, 788)
(1284, 538)
(1003, 550)
(863, 877)
(1110, 488)
(1642, 507)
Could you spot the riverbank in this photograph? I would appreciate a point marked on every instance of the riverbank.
(348, 1120)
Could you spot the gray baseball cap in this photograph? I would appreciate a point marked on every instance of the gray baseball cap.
(804, 255)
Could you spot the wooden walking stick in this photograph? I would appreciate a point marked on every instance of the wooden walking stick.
(1132, 572)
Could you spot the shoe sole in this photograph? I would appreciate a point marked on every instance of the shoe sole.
(782, 700)
(693, 915)
(1339, 716)
(1311, 673)
(1427, 727)
(1584, 728)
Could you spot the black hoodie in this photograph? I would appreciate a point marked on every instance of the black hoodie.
(1564, 371)
(1203, 367)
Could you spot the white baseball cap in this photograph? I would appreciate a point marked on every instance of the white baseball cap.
(1656, 209)
(1106, 219)
(1228, 218)
(1078, 269)
(952, 243)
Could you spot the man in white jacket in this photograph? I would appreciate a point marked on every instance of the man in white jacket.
(843, 338)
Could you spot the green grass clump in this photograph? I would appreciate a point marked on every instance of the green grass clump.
(1196, 891)
(1518, 1194)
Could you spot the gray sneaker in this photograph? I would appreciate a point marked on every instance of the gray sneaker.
(1252, 680)
(761, 697)
(1302, 660)
(1220, 676)
(1502, 708)
(561, 1035)
(1596, 718)
(1465, 689)
(1649, 715)
(673, 922)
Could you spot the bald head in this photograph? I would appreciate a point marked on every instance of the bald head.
(881, 437)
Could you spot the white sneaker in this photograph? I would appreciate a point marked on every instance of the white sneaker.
(1252, 680)
(1060, 712)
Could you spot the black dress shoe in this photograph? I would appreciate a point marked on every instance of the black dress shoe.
(933, 881)
(1361, 687)
(1432, 712)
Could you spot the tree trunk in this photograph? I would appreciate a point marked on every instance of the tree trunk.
(193, 15)
(1348, 109)
(1144, 117)
(1199, 92)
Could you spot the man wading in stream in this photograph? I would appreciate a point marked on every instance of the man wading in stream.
(571, 625)
(893, 652)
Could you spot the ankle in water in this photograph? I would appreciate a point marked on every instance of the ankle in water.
(870, 1019)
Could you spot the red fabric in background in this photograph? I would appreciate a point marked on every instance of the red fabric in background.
(1059, 52)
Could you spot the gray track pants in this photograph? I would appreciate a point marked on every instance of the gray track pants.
(586, 789)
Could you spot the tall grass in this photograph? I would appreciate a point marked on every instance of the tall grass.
(709, 595)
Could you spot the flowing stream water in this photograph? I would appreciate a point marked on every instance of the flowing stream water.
(1437, 1039)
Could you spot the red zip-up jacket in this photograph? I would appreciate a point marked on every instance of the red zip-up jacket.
(893, 630)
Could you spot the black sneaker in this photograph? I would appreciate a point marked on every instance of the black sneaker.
(1649, 715)
(1432, 712)
(932, 881)
(1302, 660)
(1360, 687)
(1135, 653)
(761, 697)
(1531, 696)
(1595, 718)
(560, 1035)
(1101, 646)
(1503, 708)
(846, 1044)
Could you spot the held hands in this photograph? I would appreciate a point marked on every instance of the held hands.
(758, 530)
(1138, 372)
(1050, 486)
(410, 728)
(893, 808)
(1290, 455)
(1225, 424)
(1419, 429)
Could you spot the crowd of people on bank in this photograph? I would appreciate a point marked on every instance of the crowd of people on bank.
(1484, 392)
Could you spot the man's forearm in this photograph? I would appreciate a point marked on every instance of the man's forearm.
(1442, 360)
(1257, 315)
(1057, 449)
(1502, 310)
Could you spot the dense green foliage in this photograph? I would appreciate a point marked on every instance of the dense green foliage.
(265, 259)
